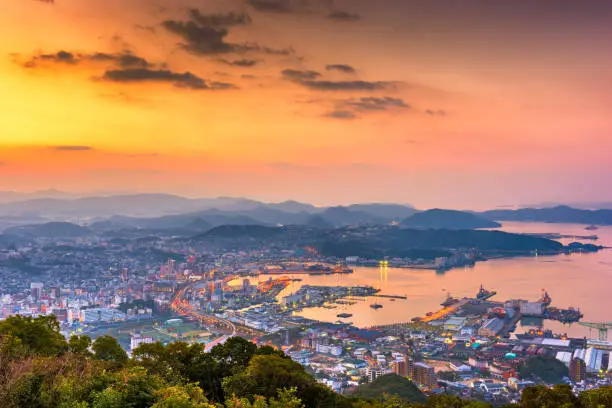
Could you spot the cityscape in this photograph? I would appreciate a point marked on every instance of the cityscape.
(305, 204)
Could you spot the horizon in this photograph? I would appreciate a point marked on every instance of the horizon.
(483, 105)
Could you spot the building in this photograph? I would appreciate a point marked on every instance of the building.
(101, 315)
(577, 370)
(136, 340)
(424, 375)
(532, 308)
(401, 368)
(372, 373)
(491, 327)
(36, 289)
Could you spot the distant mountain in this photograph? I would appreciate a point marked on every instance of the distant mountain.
(388, 386)
(390, 212)
(50, 230)
(294, 207)
(242, 231)
(559, 214)
(447, 219)
(343, 216)
(319, 222)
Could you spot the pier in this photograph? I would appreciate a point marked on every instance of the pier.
(390, 296)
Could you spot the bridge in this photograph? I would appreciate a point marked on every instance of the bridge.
(601, 327)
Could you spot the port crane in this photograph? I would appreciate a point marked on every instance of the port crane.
(601, 327)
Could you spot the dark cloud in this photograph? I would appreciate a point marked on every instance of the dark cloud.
(124, 59)
(344, 16)
(375, 103)
(200, 39)
(342, 68)
(347, 85)
(181, 80)
(438, 112)
(245, 63)
(300, 76)
(60, 56)
(340, 114)
(275, 6)
(72, 148)
(205, 34)
(220, 19)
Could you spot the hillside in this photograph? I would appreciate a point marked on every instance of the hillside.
(559, 214)
(49, 230)
(390, 386)
(447, 219)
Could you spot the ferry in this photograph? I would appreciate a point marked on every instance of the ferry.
(376, 306)
(592, 228)
(484, 294)
(344, 315)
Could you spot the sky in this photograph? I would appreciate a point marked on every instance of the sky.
(456, 104)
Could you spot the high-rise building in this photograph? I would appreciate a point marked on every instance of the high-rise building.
(36, 289)
(424, 375)
(401, 368)
(577, 370)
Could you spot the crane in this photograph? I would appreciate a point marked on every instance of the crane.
(601, 327)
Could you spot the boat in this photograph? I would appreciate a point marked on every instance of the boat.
(484, 294)
(449, 301)
(545, 299)
(591, 228)
(344, 315)
(376, 306)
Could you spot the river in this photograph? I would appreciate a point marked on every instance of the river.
(579, 280)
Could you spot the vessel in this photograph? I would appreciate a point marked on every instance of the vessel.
(484, 294)
(344, 315)
(449, 301)
(591, 228)
(376, 306)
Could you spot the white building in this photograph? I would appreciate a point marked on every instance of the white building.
(137, 339)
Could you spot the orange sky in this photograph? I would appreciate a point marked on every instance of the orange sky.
(471, 105)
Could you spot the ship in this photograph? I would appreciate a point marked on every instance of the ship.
(591, 228)
(344, 315)
(376, 306)
(484, 294)
(449, 301)
(545, 299)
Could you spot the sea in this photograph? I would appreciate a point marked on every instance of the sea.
(582, 281)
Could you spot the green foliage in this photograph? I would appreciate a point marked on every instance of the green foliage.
(107, 348)
(549, 369)
(388, 386)
(79, 345)
(236, 374)
(39, 335)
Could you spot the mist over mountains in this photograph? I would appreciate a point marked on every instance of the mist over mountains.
(184, 216)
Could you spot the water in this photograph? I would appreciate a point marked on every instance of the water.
(579, 280)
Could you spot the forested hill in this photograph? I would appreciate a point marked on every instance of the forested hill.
(39, 368)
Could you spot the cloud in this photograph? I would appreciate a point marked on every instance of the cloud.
(181, 80)
(348, 85)
(71, 148)
(245, 63)
(438, 112)
(374, 103)
(343, 16)
(341, 67)
(220, 19)
(275, 6)
(299, 76)
(341, 114)
(123, 59)
(200, 39)
(46, 1)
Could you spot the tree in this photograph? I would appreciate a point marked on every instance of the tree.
(560, 396)
(39, 335)
(79, 345)
(597, 398)
(107, 348)
(549, 369)
(189, 396)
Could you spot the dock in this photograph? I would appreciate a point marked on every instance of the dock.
(390, 296)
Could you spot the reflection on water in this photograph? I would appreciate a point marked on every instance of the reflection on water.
(579, 280)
